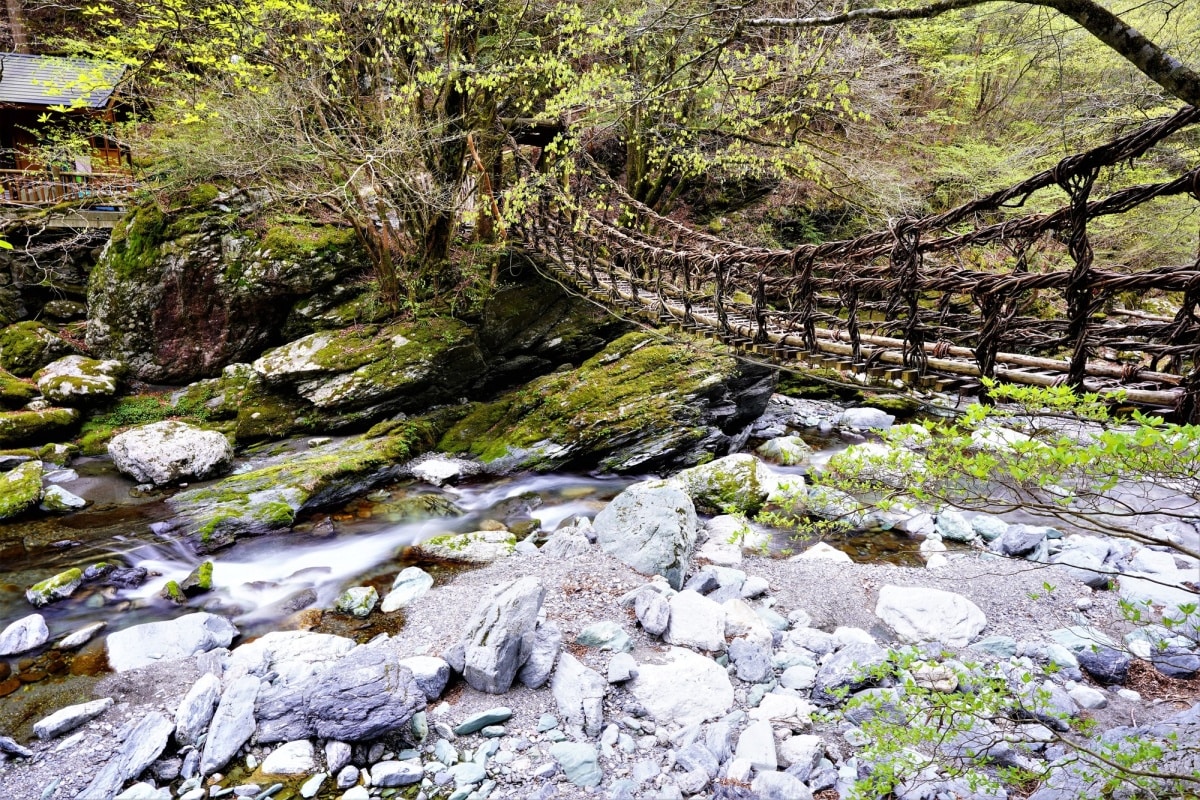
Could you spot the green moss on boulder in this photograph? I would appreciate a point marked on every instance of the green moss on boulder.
(59, 587)
(476, 547)
(28, 346)
(270, 497)
(642, 403)
(15, 392)
(20, 489)
(79, 381)
(173, 592)
(32, 427)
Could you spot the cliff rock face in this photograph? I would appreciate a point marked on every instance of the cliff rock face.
(177, 295)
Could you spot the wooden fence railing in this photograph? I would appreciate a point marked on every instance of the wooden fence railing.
(49, 187)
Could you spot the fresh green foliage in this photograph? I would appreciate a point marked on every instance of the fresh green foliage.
(1042, 450)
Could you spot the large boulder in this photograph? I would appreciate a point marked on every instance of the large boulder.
(736, 484)
(680, 687)
(272, 495)
(170, 640)
(169, 451)
(364, 694)
(403, 366)
(34, 426)
(579, 694)
(24, 634)
(919, 614)
(652, 528)
(499, 636)
(15, 392)
(79, 381)
(143, 743)
(178, 294)
(642, 404)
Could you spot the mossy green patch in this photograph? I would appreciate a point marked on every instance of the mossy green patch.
(25, 427)
(15, 392)
(26, 347)
(640, 386)
(172, 591)
(137, 243)
(20, 489)
(300, 241)
(899, 406)
(140, 409)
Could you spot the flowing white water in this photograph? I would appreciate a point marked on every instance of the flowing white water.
(267, 577)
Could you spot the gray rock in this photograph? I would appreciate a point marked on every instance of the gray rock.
(622, 667)
(1175, 662)
(347, 776)
(169, 451)
(547, 639)
(155, 642)
(1047, 702)
(606, 635)
(680, 687)
(800, 676)
(579, 762)
(698, 757)
(849, 670)
(652, 528)
(1105, 664)
(865, 418)
(147, 791)
(1087, 697)
(953, 526)
(232, 724)
(566, 543)
(753, 662)
(467, 773)
(80, 637)
(719, 739)
(779, 786)
(363, 695)
(70, 718)
(919, 614)
(757, 745)
(499, 637)
(801, 754)
(1001, 647)
(579, 694)
(142, 745)
(24, 634)
(1019, 541)
(290, 758)
(431, 674)
(337, 755)
(196, 709)
(9, 746)
(653, 611)
(357, 601)
(696, 622)
(477, 722)
(397, 773)
(411, 584)
(58, 500)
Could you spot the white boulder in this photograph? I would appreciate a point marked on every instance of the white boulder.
(166, 452)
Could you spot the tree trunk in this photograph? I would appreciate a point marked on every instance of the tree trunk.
(16, 26)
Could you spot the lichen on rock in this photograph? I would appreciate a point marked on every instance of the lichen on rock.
(170, 451)
(79, 381)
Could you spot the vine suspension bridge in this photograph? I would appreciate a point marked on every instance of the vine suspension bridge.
(892, 306)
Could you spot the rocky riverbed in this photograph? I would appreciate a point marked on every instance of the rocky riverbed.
(654, 651)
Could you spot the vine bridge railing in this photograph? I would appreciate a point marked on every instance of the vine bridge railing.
(889, 304)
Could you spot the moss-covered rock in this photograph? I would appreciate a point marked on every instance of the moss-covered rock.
(174, 592)
(270, 497)
(15, 392)
(32, 427)
(79, 381)
(198, 580)
(60, 586)
(28, 346)
(476, 547)
(58, 500)
(183, 292)
(643, 403)
(736, 484)
(401, 366)
(20, 489)
(897, 405)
